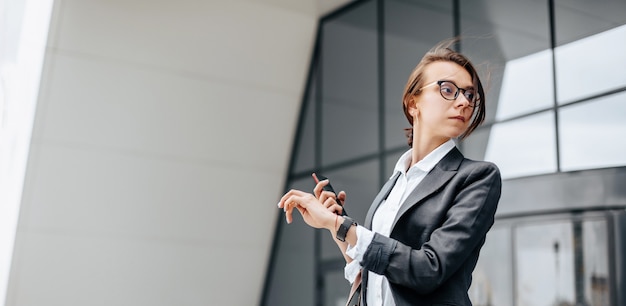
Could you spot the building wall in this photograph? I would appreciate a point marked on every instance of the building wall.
(159, 150)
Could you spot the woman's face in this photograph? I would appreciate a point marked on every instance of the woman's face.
(435, 115)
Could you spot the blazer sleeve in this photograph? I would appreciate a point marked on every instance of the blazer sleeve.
(465, 227)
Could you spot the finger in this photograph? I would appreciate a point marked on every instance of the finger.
(283, 199)
(297, 198)
(338, 209)
(317, 180)
(329, 202)
(319, 187)
(291, 203)
(326, 195)
(341, 197)
(287, 209)
(332, 206)
(292, 192)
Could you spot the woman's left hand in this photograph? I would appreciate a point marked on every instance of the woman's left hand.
(314, 213)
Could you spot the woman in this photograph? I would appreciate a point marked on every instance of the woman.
(422, 235)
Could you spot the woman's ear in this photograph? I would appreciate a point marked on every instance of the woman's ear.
(413, 109)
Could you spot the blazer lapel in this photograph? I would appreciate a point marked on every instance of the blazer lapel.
(384, 192)
(437, 177)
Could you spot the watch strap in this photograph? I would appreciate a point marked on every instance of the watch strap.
(342, 231)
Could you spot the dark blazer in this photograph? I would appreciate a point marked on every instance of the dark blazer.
(438, 232)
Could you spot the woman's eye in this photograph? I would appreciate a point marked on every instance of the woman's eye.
(447, 89)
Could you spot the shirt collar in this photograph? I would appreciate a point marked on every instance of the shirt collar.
(428, 162)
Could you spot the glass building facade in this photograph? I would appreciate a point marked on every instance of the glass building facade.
(556, 98)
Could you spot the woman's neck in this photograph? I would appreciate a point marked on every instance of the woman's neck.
(422, 146)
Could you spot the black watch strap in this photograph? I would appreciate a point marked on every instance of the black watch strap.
(342, 231)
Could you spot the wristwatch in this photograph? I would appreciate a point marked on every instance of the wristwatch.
(342, 231)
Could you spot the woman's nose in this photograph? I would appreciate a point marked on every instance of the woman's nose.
(461, 100)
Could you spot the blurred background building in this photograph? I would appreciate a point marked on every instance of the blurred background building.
(144, 144)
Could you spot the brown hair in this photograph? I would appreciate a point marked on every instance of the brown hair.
(442, 53)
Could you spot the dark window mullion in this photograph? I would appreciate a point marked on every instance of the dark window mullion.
(381, 90)
(554, 85)
(317, 144)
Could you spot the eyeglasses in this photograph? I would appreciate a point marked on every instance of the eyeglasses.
(450, 91)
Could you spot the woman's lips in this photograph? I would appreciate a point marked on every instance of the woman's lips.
(459, 118)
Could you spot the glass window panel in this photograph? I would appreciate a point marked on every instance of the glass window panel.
(515, 28)
(348, 132)
(544, 264)
(596, 263)
(292, 277)
(592, 133)
(563, 263)
(305, 150)
(525, 146)
(495, 32)
(584, 69)
(336, 288)
(579, 18)
(350, 85)
(475, 146)
(404, 47)
(390, 163)
(395, 123)
(527, 85)
(492, 279)
(360, 182)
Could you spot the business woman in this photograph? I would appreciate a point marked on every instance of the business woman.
(422, 235)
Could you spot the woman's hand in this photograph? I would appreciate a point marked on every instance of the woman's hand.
(327, 198)
(314, 213)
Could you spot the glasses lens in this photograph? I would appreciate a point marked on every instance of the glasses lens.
(448, 90)
(470, 95)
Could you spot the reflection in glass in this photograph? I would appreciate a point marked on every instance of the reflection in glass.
(591, 65)
(526, 85)
(544, 264)
(493, 276)
(592, 133)
(524, 146)
(562, 263)
(596, 266)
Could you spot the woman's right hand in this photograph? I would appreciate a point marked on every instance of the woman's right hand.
(333, 203)
(311, 209)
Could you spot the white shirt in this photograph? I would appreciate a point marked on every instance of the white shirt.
(378, 291)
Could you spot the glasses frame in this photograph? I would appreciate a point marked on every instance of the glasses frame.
(472, 103)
